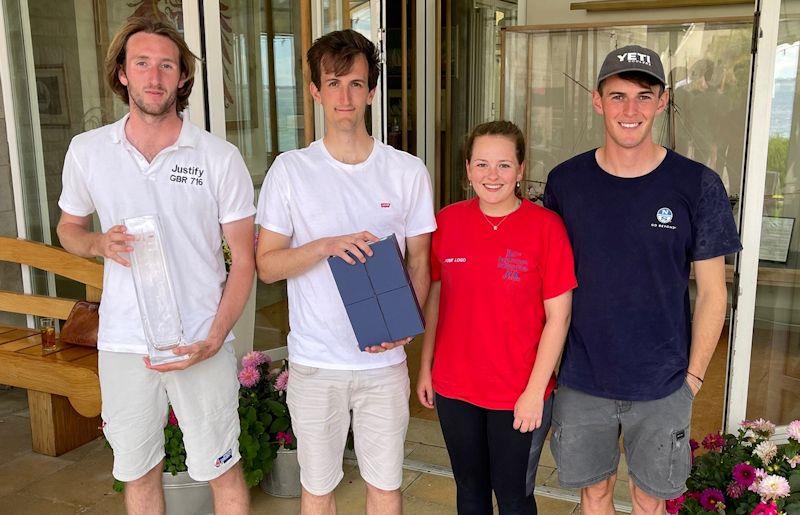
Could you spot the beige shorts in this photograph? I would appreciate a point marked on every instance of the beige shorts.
(205, 398)
(320, 401)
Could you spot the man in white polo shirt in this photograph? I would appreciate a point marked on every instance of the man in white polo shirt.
(335, 196)
(153, 161)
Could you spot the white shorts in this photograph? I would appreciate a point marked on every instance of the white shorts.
(204, 397)
(320, 401)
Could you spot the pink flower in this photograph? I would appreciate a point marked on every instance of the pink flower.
(760, 426)
(282, 381)
(765, 509)
(284, 438)
(254, 359)
(744, 474)
(710, 498)
(675, 505)
(173, 420)
(773, 487)
(249, 376)
(760, 475)
(793, 461)
(793, 431)
(734, 490)
(714, 442)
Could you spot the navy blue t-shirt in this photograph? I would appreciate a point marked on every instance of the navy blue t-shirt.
(634, 240)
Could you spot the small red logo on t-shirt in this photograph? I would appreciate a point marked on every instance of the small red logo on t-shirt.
(386, 204)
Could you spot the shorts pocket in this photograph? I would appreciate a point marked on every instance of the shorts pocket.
(688, 390)
(555, 440)
(302, 370)
(680, 461)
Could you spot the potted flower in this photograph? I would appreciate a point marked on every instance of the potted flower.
(264, 416)
(745, 473)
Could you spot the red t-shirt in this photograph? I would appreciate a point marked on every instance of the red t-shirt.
(491, 308)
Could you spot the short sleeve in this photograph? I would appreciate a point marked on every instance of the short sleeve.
(273, 202)
(436, 264)
(550, 200)
(420, 218)
(75, 198)
(235, 191)
(558, 274)
(713, 227)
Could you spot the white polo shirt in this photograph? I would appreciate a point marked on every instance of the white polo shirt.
(309, 195)
(194, 185)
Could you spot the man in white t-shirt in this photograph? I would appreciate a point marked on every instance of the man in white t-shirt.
(153, 161)
(333, 197)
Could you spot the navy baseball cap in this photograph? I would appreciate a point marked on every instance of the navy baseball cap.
(632, 58)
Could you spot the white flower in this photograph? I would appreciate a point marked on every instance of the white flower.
(773, 487)
(793, 431)
(766, 451)
(793, 461)
(760, 475)
(763, 427)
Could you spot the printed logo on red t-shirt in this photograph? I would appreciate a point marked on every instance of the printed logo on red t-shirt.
(513, 264)
(455, 260)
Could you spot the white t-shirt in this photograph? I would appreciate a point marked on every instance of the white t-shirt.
(194, 185)
(309, 195)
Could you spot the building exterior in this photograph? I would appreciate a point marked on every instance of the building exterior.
(448, 65)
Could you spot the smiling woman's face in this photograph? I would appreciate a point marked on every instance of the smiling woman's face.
(493, 170)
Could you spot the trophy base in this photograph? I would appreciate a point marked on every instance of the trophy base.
(161, 357)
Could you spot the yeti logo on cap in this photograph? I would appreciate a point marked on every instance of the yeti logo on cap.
(634, 57)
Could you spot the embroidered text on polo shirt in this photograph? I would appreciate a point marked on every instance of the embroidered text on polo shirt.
(187, 175)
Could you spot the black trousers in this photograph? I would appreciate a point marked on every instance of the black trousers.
(487, 454)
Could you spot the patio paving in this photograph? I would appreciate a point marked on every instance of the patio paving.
(80, 481)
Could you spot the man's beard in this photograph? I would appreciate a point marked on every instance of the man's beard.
(155, 109)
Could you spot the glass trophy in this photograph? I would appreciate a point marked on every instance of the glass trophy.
(154, 292)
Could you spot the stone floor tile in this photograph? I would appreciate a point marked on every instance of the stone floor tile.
(434, 489)
(554, 506)
(13, 400)
(23, 504)
(425, 431)
(265, 503)
(19, 472)
(15, 436)
(85, 482)
(430, 454)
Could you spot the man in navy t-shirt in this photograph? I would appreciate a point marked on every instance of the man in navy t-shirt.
(638, 216)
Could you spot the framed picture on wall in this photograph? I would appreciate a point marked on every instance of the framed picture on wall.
(51, 93)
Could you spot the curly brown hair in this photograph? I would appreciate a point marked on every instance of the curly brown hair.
(115, 57)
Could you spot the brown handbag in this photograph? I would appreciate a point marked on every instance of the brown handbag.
(81, 325)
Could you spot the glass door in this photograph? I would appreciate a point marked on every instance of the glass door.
(56, 89)
(765, 374)
(259, 101)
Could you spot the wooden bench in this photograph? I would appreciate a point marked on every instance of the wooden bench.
(63, 386)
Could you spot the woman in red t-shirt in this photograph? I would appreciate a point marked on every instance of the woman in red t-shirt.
(497, 315)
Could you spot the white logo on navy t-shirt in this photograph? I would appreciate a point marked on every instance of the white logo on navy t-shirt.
(664, 215)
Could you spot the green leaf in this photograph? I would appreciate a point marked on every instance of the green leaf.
(792, 509)
(280, 424)
(276, 407)
(794, 481)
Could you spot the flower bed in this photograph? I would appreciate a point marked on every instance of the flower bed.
(744, 473)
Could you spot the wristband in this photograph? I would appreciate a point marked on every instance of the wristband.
(696, 377)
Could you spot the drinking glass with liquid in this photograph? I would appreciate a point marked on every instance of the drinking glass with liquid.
(47, 326)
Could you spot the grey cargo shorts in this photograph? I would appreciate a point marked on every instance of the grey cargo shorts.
(585, 440)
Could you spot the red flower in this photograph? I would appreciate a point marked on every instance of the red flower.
(284, 438)
(173, 420)
(710, 498)
(714, 442)
(675, 505)
(765, 509)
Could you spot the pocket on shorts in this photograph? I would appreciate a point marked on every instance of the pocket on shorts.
(302, 370)
(688, 390)
(680, 461)
(555, 439)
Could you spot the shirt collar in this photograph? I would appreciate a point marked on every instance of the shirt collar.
(187, 138)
